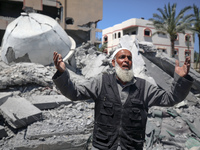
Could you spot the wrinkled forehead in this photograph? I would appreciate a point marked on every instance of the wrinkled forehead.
(120, 51)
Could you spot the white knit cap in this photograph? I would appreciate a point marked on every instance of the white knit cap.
(119, 49)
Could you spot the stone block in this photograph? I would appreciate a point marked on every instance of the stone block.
(19, 112)
(49, 101)
(65, 142)
(4, 96)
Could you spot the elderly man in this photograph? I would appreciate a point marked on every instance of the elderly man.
(121, 100)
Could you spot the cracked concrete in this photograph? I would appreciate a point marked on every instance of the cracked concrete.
(68, 125)
(33, 38)
(10, 56)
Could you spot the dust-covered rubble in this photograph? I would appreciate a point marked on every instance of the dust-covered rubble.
(68, 125)
(25, 73)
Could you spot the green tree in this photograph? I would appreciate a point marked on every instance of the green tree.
(168, 22)
(196, 59)
(102, 47)
(196, 25)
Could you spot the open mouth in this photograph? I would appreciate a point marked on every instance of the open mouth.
(125, 67)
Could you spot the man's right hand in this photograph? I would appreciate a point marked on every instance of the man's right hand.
(58, 62)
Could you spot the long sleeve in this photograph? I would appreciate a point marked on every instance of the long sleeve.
(155, 96)
(79, 88)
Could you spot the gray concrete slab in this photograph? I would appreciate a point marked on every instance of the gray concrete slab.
(163, 79)
(49, 101)
(93, 65)
(168, 64)
(65, 142)
(73, 119)
(19, 112)
(4, 96)
(2, 132)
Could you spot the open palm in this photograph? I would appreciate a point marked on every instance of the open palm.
(58, 62)
(184, 70)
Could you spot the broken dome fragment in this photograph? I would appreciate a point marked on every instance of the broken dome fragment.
(33, 38)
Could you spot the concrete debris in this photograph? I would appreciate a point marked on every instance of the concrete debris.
(25, 73)
(167, 65)
(146, 47)
(22, 115)
(74, 119)
(66, 142)
(4, 96)
(173, 128)
(166, 80)
(33, 37)
(48, 101)
(94, 66)
(63, 124)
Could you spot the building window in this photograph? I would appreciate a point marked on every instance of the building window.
(115, 35)
(161, 33)
(105, 39)
(176, 37)
(133, 32)
(119, 34)
(162, 50)
(188, 38)
(187, 53)
(176, 52)
(147, 32)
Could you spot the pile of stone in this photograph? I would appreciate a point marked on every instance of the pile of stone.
(35, 116)
(33, 113)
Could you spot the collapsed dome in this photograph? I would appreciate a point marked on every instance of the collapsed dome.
(33, 38)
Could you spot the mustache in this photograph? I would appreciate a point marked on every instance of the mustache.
(126, 75)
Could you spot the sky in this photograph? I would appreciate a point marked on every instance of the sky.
(117, 11)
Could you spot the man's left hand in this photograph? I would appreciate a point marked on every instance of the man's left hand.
(184, 70)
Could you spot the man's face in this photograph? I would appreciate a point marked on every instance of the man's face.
(124, 59)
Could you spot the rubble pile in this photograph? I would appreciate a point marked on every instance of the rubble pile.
(89, 61)
(25, 73)
(28, 86)
(58, 123)
(173, 128)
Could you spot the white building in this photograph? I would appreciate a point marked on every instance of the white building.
(140, 29)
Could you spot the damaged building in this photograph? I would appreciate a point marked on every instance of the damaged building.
(40, 25)
(143, 31)
(72, 15)
(34, 115)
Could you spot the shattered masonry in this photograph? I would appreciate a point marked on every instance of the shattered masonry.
(68, 125)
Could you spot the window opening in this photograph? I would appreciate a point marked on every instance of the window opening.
(119, 34)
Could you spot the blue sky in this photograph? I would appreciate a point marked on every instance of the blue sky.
(117, 11)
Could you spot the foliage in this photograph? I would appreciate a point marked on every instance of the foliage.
(196, 27)
(102, 47)
(196, 56)
(196, 20)
(196, 59)
(168, 22)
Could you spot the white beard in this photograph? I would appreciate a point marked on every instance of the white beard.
(124, 74)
